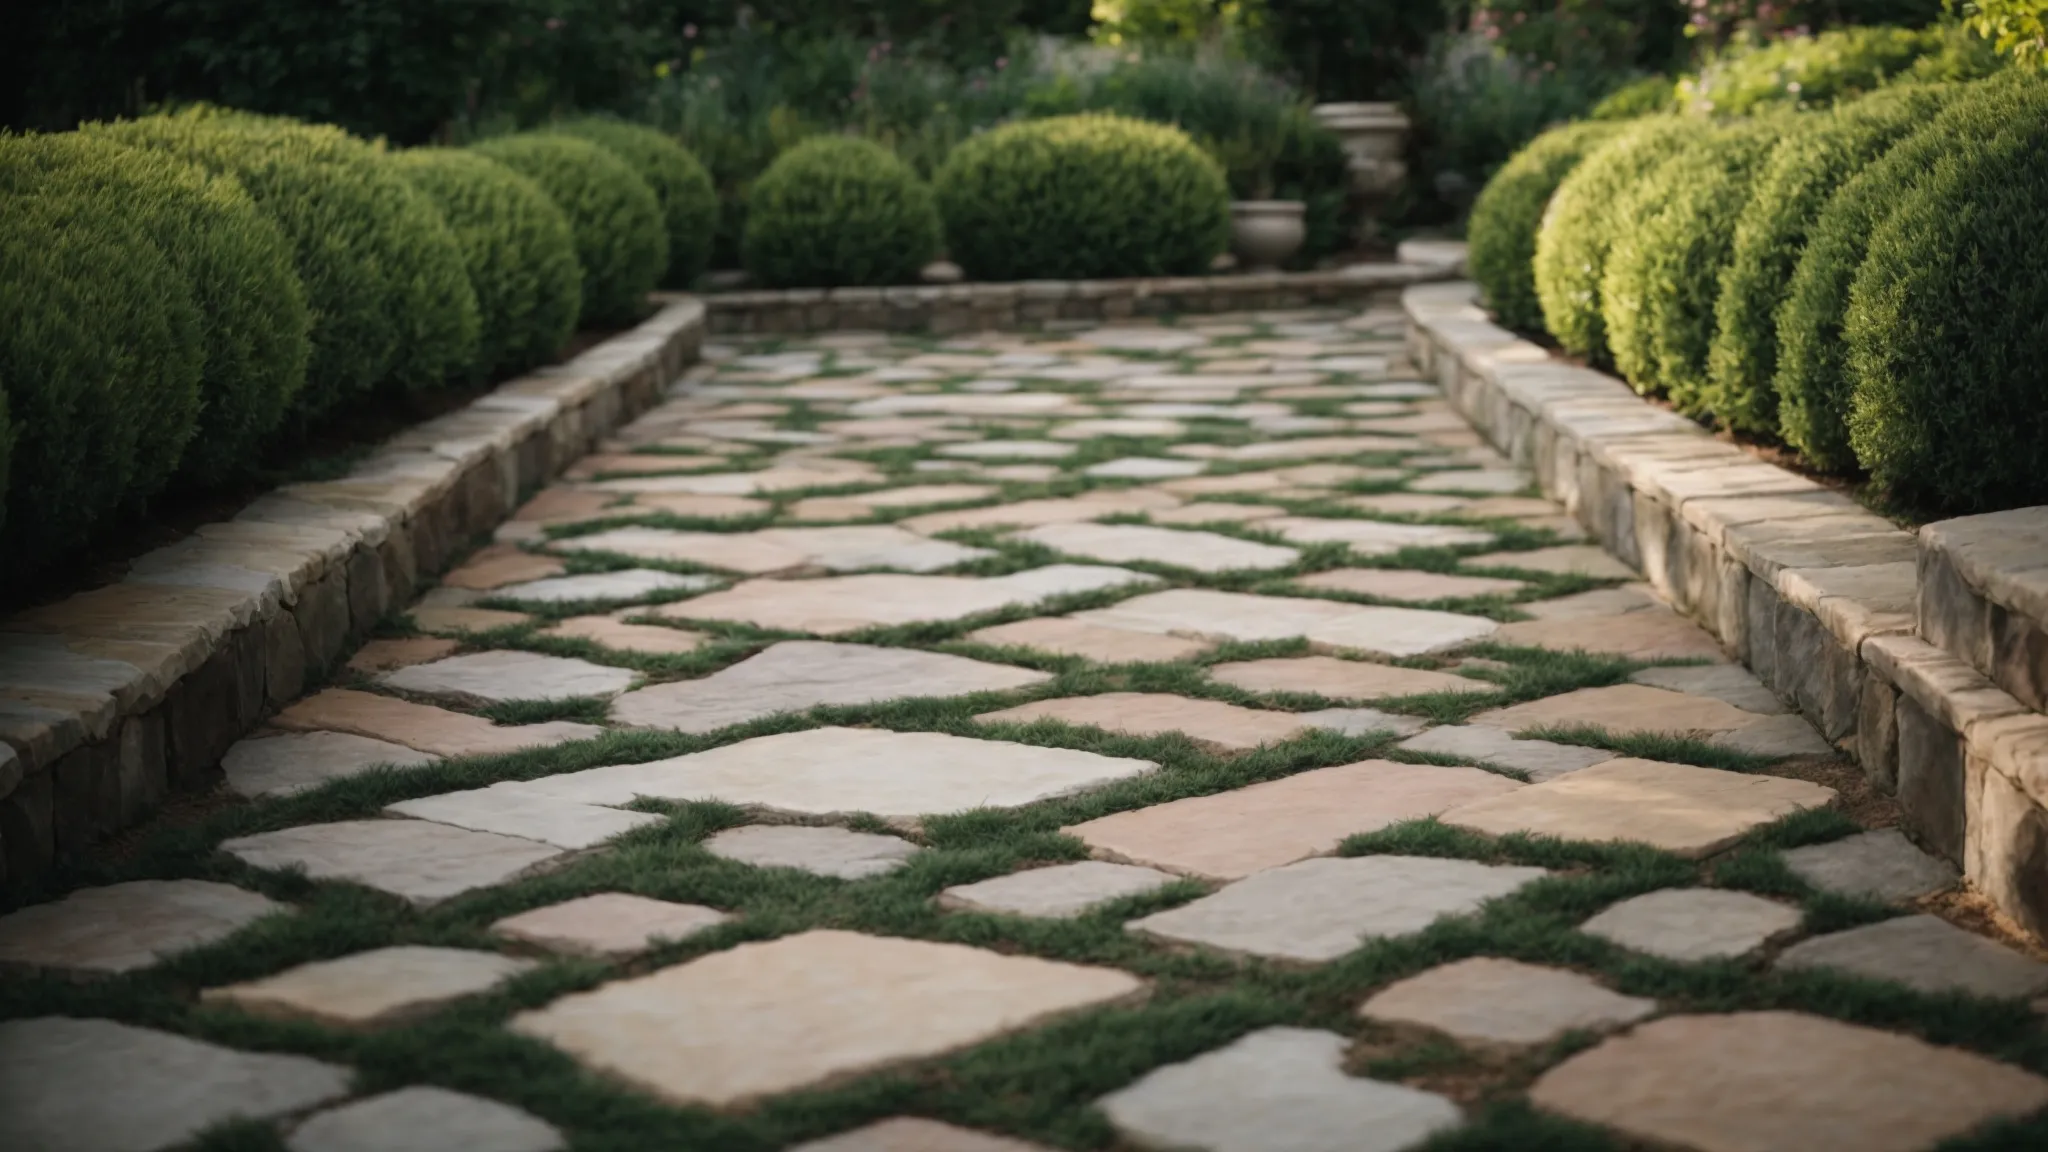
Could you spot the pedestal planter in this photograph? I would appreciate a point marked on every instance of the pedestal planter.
(1375, 137)
(1263, 233)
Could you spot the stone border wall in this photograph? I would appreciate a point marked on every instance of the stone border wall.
(1818, 596)
(113, 697)
(1031, 304)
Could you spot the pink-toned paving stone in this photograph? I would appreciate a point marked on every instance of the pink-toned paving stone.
(868, 503)
(501, 564)
(735, 1026)
(1213, 722)
(1340, 679)
(1598, 602)
(1654, 633)
(638, 464)
(1217, 513)
(1621, 709)
(1582, 559)
(1036, 513)
(1405, 503)
(1064, 637)
(422, 726)
(1403, 584)
(608, 925)
(372, 989)
(916, 1134)
(836, 605)
(444, 619)
(562, 505)
(614, 633)
(1174, 547)
(413, 859)
(1693, 812)
(1784, 1082)
(688, 504)
(385, 655)
(1492, 1001)
(1228, 835)
(1201, 612)
(119, 928)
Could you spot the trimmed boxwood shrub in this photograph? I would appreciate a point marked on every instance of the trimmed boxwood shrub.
(1813, 160)
(838, 211)
(1580, 223)
(1812, 380)
(614, 215)
(239, 266)
(100, 356)
(1947, 323)
(1502, 229)
(1805, 71)
(689, 202)
(1664, 273)
(1645, 97)
(517, 248)
(390, 301)
(1081, 197)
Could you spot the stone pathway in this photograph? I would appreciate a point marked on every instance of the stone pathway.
(1179, 736)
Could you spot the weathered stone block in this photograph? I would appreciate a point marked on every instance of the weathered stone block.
(1951, 614)
(1877, 733)
(1819, 675)
(201, 715)
(1931, 799)
(1760, 625)
(284, 658)
(369, 597)
(28, 833)
(323, 616)
(87, 800)
(2019, 657)
(144, 775)
(2005, 853)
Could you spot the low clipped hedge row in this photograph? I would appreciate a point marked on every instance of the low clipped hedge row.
(1867, 284)
(187, 292)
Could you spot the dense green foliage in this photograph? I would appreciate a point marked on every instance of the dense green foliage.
(614, 215)
(1648, 96)
(838, 211)
(689, 202)
(1664, 274)
(517, 249)
(1804, 170)
(1583, 221)
(391, 303)
(100, 356)
(237, 263)
(1080, 197)
(1948, 319)
(1502, 230)
(1805, 70)
(7, 435)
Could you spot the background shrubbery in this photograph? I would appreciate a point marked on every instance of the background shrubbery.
(836, 211)
(614, 216)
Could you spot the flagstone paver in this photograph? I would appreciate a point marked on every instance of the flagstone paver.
(1493, 1001)
(629, 584)
(608, 925)
(839, 771)
(1036, 513)
(507, 812)
(421, 726)
(1690, 924)
(1653, 633)
(372, 989)
(1597, 602)
(769, 1017)
(1317, 910)
(444, 620)
(1275, 1090)
(1230, 835)
(915, 1134)
(499, 675)
(422, 1119)
(1340, 679)
(123, 927)
(1065, 637)
(1414, 587)
(1880, 865)
(1226, 726)
(1925, 953)
(384, 655)
(419, 861)
(834, 606)
(279, 764)
(1373, 537)
(1540, 760)
(1693, 812)
(1621, 709)
(1242, 616)
(1056, 892)
(498, 565)
(1359, 721)
(70, 1085)
(1783, 1082)
(825, 851)
(1009, 450)
(1216, 513)
(1569, 559)
(1729, 683)
(619, 636)
(1179, 548)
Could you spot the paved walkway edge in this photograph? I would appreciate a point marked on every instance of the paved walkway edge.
(1815, 594)
(113, 696)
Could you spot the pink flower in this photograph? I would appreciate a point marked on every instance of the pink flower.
(689, 31)
(1002, 62)
(554, 23)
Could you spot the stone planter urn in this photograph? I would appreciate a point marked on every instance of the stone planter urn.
(1374, 137)
(1263, 233)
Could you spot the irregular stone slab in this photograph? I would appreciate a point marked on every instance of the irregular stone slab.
(1406, 504)
(825, 851)
(1414, 587)
(1491, 1001)
(842, 771)
(1598, 602)
(812, 474)
(372, 989)
(1361, 721)
(421, 862)
(1009, 450)
(1305, 448)
(561, 823)
(1541, 760)
(499, 565)
(563, 505)
(763, 1018)
(96, 1086)
(1214, 513)
(867, 503)
(1065, 637)
(1317, 910)
(619, 636)
(282, 764)
(1881, 865)
(1144, 468)
(1213, 722)
(795, 675)
(1783, 1082)
(1180, 548)
(1241, 616)
(608, 925)
(836, 605)
(915, 1134)
(1035, 513)
(384, 655)
(1655, 633)
(1926, 954)
(1134, 426)
(423, 727)
(640, 464)
(1275, 1090)
(629, 584)
(444, 620)
(1693, 812)
(1729, 683)
(1340, 679)
(689, 505)
(1233, 834)
(125, 927)
(850, 549)
(1621, 709)
(1058, 892)
(1374, 537)
(1776, 737)
(1487, 480)
(1136, 339)
(1693, 924)
(1579, 559)
(423, 1119)
(501, 675)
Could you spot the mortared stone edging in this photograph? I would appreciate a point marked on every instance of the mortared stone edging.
(112, 697)
(1925, 658)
